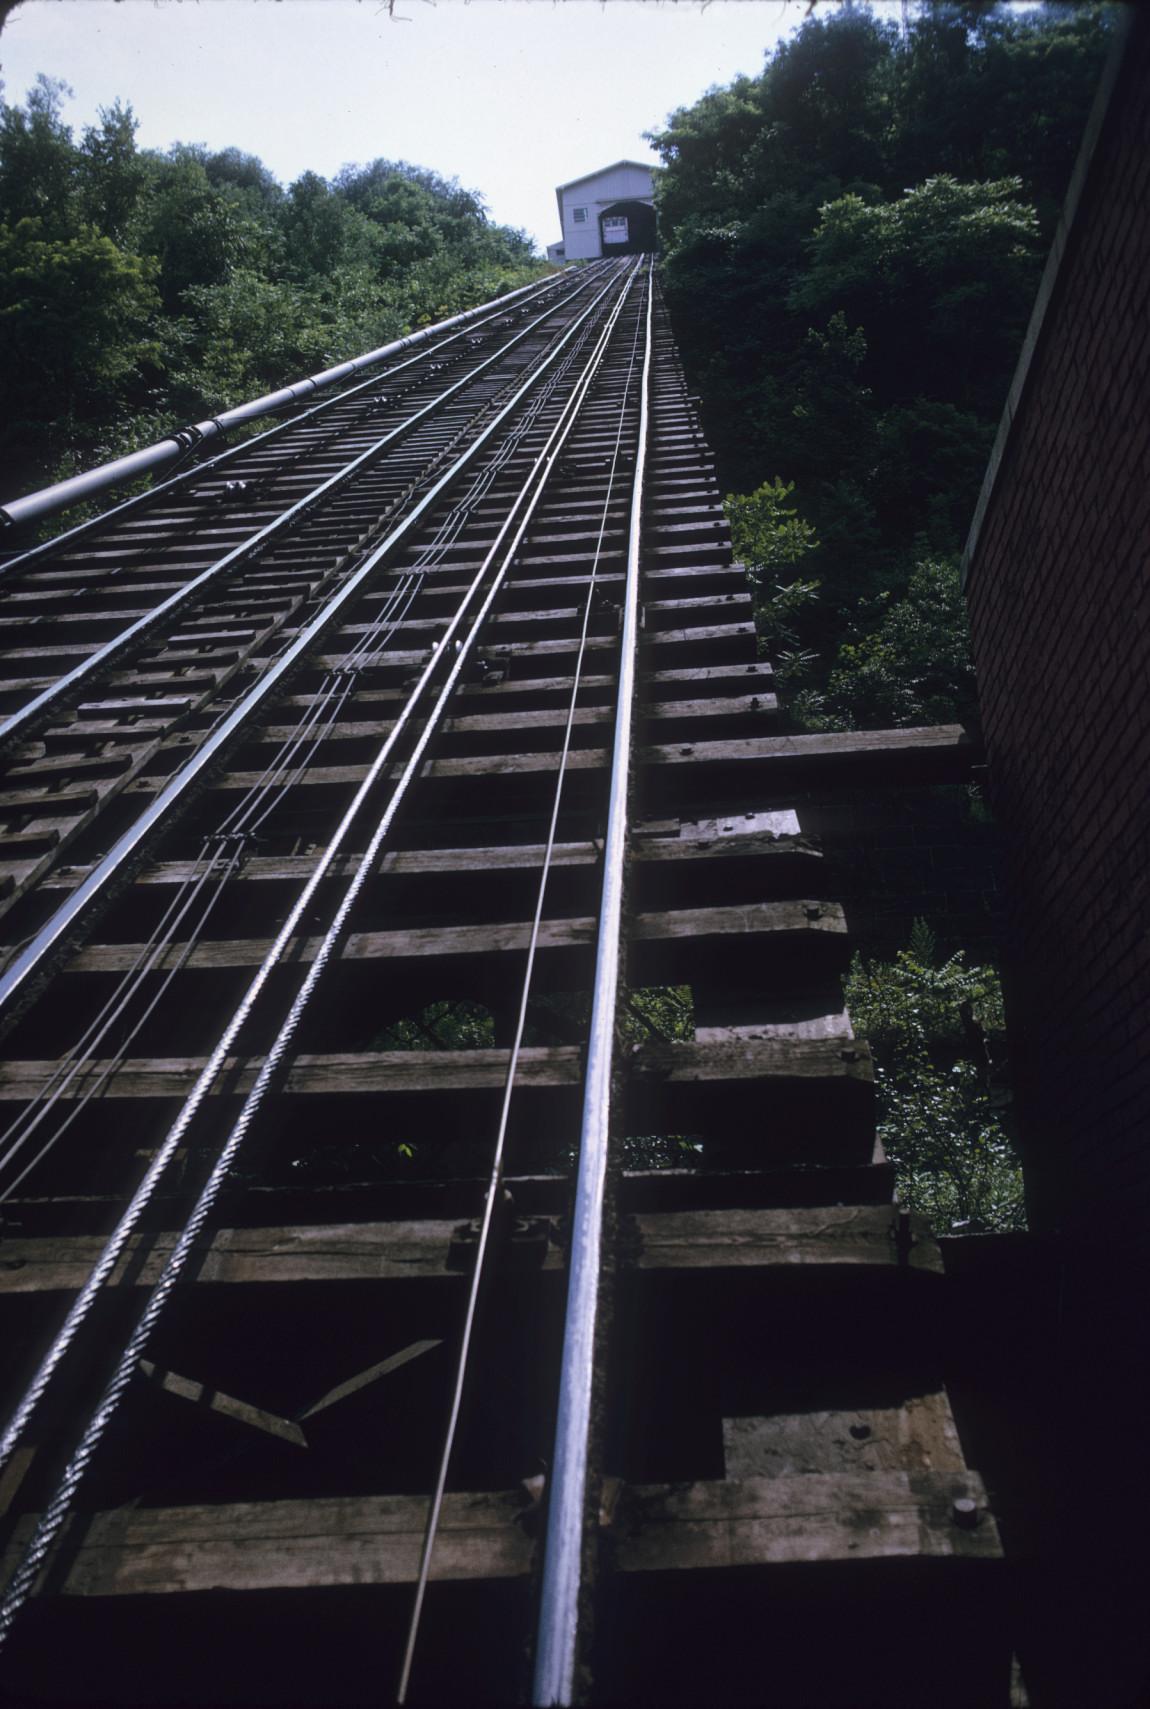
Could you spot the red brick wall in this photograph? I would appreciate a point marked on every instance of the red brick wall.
(1059, 590)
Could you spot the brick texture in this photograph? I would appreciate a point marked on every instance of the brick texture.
(1058, 596)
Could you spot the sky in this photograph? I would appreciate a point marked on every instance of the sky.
(512, 97)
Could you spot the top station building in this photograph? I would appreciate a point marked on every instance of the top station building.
(609, 212)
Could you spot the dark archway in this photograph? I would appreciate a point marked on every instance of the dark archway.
(627, 228)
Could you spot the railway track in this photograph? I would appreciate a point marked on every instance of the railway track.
(402, 1303)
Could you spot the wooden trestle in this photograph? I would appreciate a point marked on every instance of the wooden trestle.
(784, 1513)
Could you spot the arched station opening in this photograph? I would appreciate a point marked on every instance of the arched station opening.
(627, 228)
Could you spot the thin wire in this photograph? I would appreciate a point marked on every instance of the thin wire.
(244, 821)
(83, 1059)
(95, 523)
(24, 1579)
(183, 596)
(496, 1176)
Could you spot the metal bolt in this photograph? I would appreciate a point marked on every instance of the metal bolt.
(964, 1512)
(860, 1432)
(813, 911)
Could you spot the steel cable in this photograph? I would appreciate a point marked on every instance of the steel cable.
(117, 1241)
(93, 524)
(17, 721)
(495, 1178)
(47, 940)
(244, 821)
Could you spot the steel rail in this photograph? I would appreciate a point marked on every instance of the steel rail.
(17, 723)
(132, 843)
(108, 518)
(54, 1514)
(104, 1265)
(232, 834)
(558, 1631)
(495, 1177)
(48, 500)
(52, 936)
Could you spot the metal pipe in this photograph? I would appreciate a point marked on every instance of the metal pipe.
(48, 500)
(197, 471)
(23, 1580)
(558, 1634)
(18, 722)
(54, 934)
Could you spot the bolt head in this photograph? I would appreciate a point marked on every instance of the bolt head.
(964, 1513)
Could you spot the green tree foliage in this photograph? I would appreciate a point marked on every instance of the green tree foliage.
(853, 240)
(140, 289)
(771, 539)
(76, 318)
(936, 1035)
(913, 666)
(37, 177)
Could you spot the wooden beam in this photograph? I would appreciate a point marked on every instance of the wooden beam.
(691, 927)
(658, 1528)
(938, 752)
(754, 845)
(942, 753)
(862, 1238)
(821, 1061)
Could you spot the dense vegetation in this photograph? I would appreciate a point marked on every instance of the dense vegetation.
(140, 290)
(936, 1029)
(854, 239)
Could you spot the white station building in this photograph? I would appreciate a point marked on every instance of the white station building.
(609, 212)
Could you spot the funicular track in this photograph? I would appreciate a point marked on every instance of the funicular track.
(351, 1359)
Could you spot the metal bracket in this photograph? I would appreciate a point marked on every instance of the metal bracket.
(523, 1243)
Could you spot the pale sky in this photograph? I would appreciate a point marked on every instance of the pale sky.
(510, 96)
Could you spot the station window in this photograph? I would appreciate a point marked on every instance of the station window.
(579, 215)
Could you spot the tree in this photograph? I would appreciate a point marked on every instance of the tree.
(853, 240)
(75, 314)
(323, 233)
(37, 160)
(138, 288)
(913, 666)
(198, 234)
(111, 173)
(942, 279)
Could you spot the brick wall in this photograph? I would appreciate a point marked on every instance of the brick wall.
(1058, 597)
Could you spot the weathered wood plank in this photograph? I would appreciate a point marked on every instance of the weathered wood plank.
(942, 753)
(870, 1182)
(814, 1518)
(917, 1435)
(755, 844)
(712, 636)
(691, 926)
(857, 1237)
(944, 749)
(496, 723)
(825, 1061)
(750, 1522)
